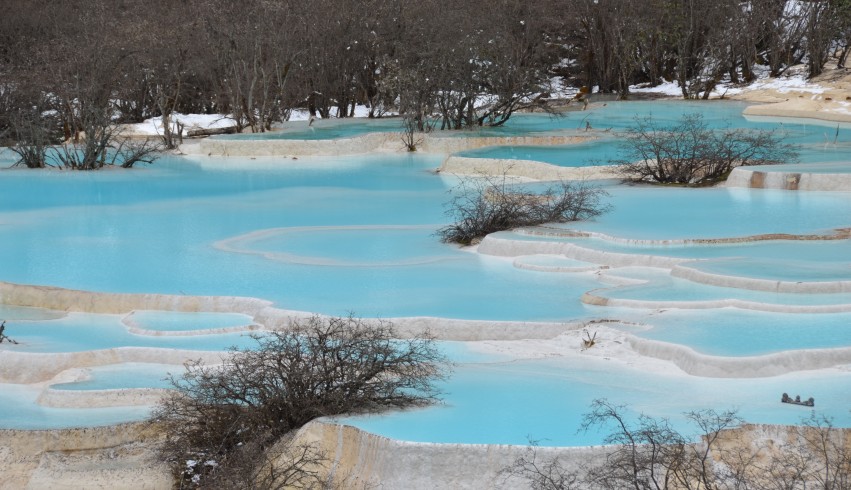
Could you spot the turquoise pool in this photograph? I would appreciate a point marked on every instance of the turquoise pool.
(175, 321)
(79, 332)
(336, 235)
(816, 141)
(121, 376)
(511, 403)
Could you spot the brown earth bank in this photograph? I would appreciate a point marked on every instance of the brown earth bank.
(124, 456)
(119, 456)
(833, 103)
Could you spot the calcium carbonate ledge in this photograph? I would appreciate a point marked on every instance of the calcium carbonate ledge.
(756, 284)
(117, 457)
(286, 147)
(364, 459)
(135, 329)
(262, 313)
(796, 181)
(799, 109)
(441, 328)
(62, 299)
(367, 143)
(596, 298)
(836, 234)
(39, 367)
(369, 460)
(447, 143)
(506, 247)
(776, 364)
(355, 457)
(123, 397)
(520, 263)
(527, 169)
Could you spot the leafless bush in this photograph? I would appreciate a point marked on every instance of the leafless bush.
(487, 204)
(32, 138)
(648, 454)
(827, 451)
(3, 336)
(99, 144)
(542, 473)
(690, 153)
(223, 416)
(253, 465)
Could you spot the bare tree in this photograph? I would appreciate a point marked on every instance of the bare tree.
(691, 153)
(485, 204)
(828, 452)
(642, 453)
(823, 21)
(30, 130)
(843, 45)
(609, 40)
(543, 473)
(255, 51)
(319, 367)
(786, 28)
(648, 454)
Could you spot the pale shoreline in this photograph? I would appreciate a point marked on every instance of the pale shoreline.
(124, 457)
(827, 98)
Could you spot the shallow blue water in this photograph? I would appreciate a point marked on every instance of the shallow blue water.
(805, 250)
(736, 332)
(28, 414)
(128, 375)
(664, 288)
(511, 403)
(322, 129)
(354, 234)
(677, 213)
(162, 239)
(23, 313)
(599, 152)
(816, 141)
(781, 260)
(808, 271)
(83, 332)
(172, 321)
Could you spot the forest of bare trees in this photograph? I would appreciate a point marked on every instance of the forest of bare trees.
(72, 67)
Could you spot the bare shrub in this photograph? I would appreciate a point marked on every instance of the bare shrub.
(649, 454)
(32, 138)
(487, 204)
(827, 451)
(690, 153)
(542, 473)
(224, 416)
(3, 336)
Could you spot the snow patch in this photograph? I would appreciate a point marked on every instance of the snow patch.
(666, 88)
(795, 83)
(792, 83)
(154, 126)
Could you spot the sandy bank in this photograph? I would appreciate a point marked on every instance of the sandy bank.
(123, 456)
(113, 457)
(366, 143)
(826, 97)
(788, 179)
(364, 460)
(527, 169)
(37, 367)
(261, 312)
